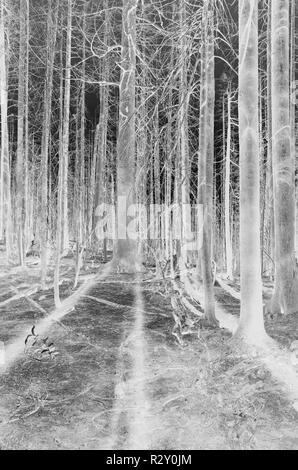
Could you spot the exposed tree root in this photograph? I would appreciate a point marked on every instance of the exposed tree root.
(278, 362)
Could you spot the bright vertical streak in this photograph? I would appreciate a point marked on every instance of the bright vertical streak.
(251, 316)
(139, 425)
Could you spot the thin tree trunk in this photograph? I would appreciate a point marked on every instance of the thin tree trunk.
(269, 209)
(81, 215)
(229, 252)
(101, 144)
(5, 193)
(20, 195)
(156, 180)
(183, 135)
(141, 173)
(60, 187)
(65, 134)
(46, 132)
(169, 172)
(27, 234)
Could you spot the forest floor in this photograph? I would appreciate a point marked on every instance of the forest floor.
(122, 381)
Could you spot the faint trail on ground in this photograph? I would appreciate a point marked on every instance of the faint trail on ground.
(15, 349)
(139, 428)
(132, 407)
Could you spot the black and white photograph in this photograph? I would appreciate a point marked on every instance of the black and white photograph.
(148, 227)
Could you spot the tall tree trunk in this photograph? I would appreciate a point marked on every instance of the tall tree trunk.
(156, 181)
(169, 170)
(46, 132)
(102, 129)
(183, 134)
(27, 222)
(251, 327)
(20, 168)
(78, 226)
(142, 110)
(65, 134)
(293, 86)
(5, 194)
(263, 160)
(229, 252)
(269, 209)
(125, 256)
(81, 232)
(285, 296)
(222, 226)
(60, 187)
(206, 156)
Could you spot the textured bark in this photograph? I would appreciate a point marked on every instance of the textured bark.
(65, 132)
(169, 171)
(46, 131)
(27, 221)
(251, 326)
(206, 157)
(183, 131)
(156, 169)
(101, 140)
(79, 223)
(229, 253)
(285, 298)
(269, 209)
(60, 190)
(293, 104)
(20, 167)
(142, 138)
(5, 193)
(125, 257)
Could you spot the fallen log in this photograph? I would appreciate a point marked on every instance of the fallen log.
(28, 292)
(20, 295)
(232, 292)
(114, 305)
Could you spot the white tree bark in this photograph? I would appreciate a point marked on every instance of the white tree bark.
(101, 145)
(251, 327)
(20, 167)
(62, 202)
(5, 193)
(206, 157)
(229, 252)
(125, 257)
(285, 296)
(183, 132)
(65, 133)
(48, 90)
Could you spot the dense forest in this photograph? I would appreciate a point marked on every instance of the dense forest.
(148, 156)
